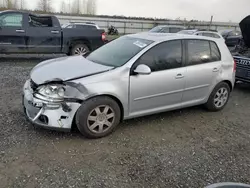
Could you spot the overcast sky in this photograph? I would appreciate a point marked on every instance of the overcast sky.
(222, 10)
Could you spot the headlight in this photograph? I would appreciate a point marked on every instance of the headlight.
(52, 91)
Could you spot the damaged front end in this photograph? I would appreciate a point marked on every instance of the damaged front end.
(51, 105)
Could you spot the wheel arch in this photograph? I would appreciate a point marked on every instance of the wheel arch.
(116, 99)
(229, 83)
(223, 81)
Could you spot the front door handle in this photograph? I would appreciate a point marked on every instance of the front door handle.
(55, 32)
(20, 31)
(179, 76)
(215, 69)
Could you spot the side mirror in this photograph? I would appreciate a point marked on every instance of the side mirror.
(142, 69)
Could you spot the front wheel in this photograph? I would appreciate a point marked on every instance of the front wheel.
(98, 117)
(219, 97)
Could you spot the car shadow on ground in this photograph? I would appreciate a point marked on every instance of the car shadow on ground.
(243, 86)
(126, 125)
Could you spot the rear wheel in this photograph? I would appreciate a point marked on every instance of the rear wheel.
(79, 49)
(98, 117)
(219, 97)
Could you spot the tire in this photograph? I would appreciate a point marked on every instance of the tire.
(81, 48)
(212, 103)
(90, 123)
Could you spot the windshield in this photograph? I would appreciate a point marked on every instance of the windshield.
(156, 29)
(119, 51)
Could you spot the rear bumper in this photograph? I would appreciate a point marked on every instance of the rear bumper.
(242, 79)
(48, 115)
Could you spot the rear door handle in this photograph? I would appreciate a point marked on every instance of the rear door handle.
(20, 31)
(215, 69)
(179, 76)
(55, 32)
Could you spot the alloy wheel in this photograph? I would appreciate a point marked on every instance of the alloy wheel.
(101, 119)
(221, 97)
(81, 51)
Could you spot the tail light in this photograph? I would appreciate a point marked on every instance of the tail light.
(103, 36)
(235, 65)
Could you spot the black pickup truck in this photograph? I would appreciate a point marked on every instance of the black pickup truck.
(241, 53)
(23, 32)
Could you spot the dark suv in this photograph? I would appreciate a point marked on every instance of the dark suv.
(232, 37)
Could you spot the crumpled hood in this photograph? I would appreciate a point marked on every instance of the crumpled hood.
(65, 68)
(245, 29)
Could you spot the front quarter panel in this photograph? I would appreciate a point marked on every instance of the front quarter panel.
(113, 83)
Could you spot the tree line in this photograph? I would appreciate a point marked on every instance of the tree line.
(45, 6)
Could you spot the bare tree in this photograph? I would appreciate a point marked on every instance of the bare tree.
(79, 7)
(2, 4)
(22, 4)
(45, 5)
(75, 9)
(91, 7)
(63, 7)
(10, 4)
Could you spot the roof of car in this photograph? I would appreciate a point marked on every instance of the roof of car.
(83, 23)
(175, 26)
(158, 37)
(26, 12)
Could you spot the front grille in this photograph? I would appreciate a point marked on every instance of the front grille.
(33, 85)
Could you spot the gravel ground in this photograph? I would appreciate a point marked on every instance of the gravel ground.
(184, 148)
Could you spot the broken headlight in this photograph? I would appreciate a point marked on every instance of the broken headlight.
(52, 91)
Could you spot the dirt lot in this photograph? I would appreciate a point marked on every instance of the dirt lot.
(185, 148)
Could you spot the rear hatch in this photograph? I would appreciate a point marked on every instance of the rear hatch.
(243, 67)
(245, 29)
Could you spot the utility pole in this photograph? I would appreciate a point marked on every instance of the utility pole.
(211, 21)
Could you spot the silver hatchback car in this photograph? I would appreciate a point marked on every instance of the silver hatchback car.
(135, 75)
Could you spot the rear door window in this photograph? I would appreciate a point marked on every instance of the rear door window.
(198, 52)
(36, 21)
(202, 51)
(215, 52)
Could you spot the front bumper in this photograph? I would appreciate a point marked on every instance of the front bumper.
(46, 114)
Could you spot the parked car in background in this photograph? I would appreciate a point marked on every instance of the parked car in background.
(166, 29)
(228, 185)
(232, 37)
(23, 32)
(206, 33)
(81, 25)
(132, 76)
(241, 53)
(89, 26)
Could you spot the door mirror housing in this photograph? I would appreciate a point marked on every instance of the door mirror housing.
(142, 69)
